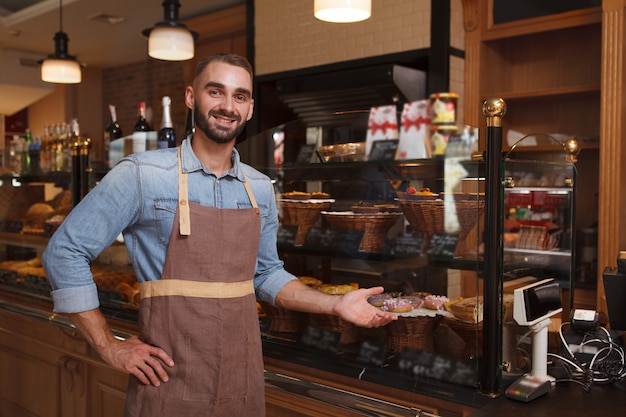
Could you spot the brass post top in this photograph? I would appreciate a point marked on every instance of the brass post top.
(494, 109)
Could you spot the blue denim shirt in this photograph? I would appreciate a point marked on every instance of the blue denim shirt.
(138, 198)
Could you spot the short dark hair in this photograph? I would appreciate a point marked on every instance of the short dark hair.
(231, 59)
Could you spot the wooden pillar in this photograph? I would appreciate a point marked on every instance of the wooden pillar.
(612, 181)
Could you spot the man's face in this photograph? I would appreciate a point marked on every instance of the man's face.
(222, 101)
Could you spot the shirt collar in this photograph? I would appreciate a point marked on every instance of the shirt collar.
(191, 163)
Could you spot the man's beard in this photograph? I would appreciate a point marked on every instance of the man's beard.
(217, 134)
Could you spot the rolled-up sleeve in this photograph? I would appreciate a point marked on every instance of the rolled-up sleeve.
(90, 228)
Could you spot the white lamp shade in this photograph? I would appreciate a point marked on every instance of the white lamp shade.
(61, 71)
(342, 11)
(170, 44)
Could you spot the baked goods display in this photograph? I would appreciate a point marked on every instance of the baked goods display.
(310, 281)
(296, 195)
(113, 285)
(435, 302)
(302, 210)
(35, 218)
(338, 289)
(378, 300)
(397, 305)
(375, 227)
(431, 213)
(318, 195)
(413, 194)
(469, 310)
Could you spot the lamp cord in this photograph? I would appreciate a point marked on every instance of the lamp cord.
(60, 15)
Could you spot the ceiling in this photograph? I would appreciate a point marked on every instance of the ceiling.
(102, 33)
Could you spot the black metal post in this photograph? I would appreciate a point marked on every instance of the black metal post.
(76, 173)
(493, 109)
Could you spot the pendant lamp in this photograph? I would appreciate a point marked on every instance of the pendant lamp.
(170, 40)
(342, 11)
(61, 67)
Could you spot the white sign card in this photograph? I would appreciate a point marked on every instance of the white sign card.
(382, 125)
(414, 131)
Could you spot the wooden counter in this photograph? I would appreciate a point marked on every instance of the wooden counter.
(50, 370)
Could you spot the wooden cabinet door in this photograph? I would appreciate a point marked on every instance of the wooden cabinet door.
(30, 375)
(107, 391)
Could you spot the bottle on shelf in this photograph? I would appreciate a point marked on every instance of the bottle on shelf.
(140, 129)
(166, 137)
(45, 149)
(34, 154)
(15, 154)
(112, 132)
(28, 140)
(141, 125)
(56, 156)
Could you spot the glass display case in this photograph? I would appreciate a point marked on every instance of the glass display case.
(351, 220)
(539, 215)
(415, 227)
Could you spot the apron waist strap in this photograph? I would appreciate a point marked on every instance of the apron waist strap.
(186, 288)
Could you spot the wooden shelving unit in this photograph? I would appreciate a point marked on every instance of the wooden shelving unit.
(559, 73)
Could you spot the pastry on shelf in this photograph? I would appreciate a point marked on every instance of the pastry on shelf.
(296, 195)
(338, 289)
(318, 195)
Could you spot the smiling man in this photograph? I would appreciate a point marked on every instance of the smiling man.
(200, 228)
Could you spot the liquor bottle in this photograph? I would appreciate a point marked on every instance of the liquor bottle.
(28, 140)
(141, 125)
(167, 135)
(140, 135)
(112, 132)
(45, 149)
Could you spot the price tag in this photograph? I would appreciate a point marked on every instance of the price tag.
(305, 154)
(322, 339)
(343, 241)
(409, 244)
(433, 365)
(286, 235)
(383, 150)
(442, 244)
(372, 352)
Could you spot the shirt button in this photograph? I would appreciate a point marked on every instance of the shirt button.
(183, 202)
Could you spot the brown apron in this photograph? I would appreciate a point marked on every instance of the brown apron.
(203, 313)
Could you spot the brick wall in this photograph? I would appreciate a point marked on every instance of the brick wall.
(289, 37)
(147, 81)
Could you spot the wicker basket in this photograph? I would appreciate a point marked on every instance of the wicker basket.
(301, 214)
(414, 332)
(349, 332)
(282, 319)
(375, 227)
(428, 216)
(471, 333)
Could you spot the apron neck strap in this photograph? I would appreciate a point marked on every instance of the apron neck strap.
(184, 219)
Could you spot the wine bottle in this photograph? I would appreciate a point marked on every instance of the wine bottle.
(140, 129)
(141, 125)
(167, 135)
(112, 132)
